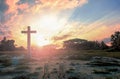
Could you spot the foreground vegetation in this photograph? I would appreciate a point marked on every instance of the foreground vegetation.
(70, 54)
(88, 54)
(74, 61)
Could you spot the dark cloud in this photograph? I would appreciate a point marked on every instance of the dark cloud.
(5, 17)
(5, 31)
(3, 8)
(1, 33)
(106, 40)
(2, 17)
(20, 11)
(30, 2)
(57, 38)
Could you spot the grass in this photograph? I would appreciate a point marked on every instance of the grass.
(5, 61)
(71, 70)
(101, 71)
(13, 53)
(88, 54)
(22, 67)
(70, 54)
(73, 54)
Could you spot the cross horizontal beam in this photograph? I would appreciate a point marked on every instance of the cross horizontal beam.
(28, 31)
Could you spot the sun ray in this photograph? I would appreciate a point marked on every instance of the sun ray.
(40, 40)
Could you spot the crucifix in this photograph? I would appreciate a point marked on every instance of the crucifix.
(29, 31)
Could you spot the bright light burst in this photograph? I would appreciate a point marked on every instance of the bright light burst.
(40, 40)
(47, 26)
(49, 22)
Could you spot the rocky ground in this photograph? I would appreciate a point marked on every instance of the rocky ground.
(58, 67)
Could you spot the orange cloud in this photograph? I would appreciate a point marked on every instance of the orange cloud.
(23, 6)
(45, 4)
(107, 32)
(12, 5)
(97, 30)
(63, 4)
(40, 7)
(57, 38)
(94, 31)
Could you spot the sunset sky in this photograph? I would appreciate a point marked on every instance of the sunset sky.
(59, 20)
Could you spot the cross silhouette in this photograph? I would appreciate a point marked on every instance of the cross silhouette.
(29, 31)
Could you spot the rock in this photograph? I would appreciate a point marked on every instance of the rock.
(73, 78)
(21, 77)
(101, 72)
(73, 75)
(104, 61)
(112, 69)
(5, 61)
(72, 64)
(78, 75)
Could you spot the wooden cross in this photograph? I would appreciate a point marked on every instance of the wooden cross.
(28, 39)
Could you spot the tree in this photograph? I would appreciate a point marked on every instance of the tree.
(81, 44)
(103, 45)
(3, 44)
(20, 48)
(73, 43)
(7, 45)
(115, 40)
(10, 45)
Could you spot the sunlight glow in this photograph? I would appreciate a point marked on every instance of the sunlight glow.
(47, 27)
(40, 40)
(50, 22)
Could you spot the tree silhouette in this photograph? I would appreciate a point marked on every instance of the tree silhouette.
(73, 43)
(81, 44)
(115, 40)
(103, 45)
(7, 45)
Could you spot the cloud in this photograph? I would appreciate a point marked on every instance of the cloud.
(25, 11)
(3, 8)
(107, 40)
(4, 31)
(35, 8)
(12, 5)
(38, 5)
(94, 31)
(17, 14)
(1, 33)
(20, 13)
(60, 4)
(57, 38)
(30, 2)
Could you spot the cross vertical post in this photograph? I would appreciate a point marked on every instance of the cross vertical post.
(28, 39)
